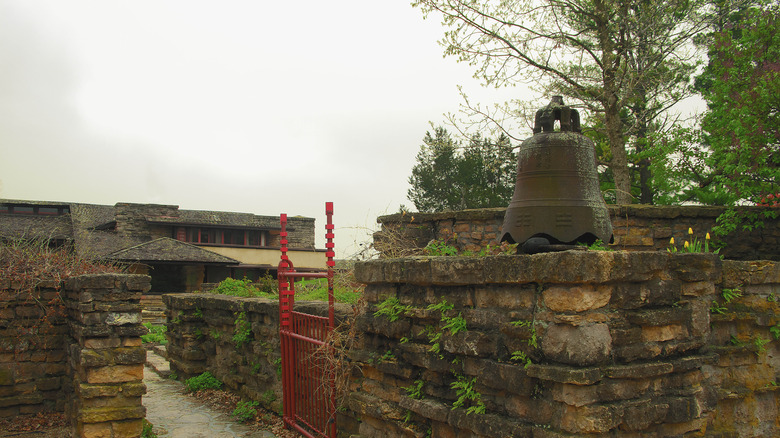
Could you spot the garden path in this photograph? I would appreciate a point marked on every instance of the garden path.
(176, 415)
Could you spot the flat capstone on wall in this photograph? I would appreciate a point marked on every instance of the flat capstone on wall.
(577, 343)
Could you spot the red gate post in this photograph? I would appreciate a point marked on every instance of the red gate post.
(300, 336)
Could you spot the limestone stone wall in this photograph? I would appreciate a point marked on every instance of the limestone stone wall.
(636, 227)
(106, 357)
(33, 370)
(89, 363)
(567, 344)
(202, 334)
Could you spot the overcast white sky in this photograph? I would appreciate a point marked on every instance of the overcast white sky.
(249, 106)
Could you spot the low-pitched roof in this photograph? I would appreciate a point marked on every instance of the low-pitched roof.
(166, 249)
(36, 227)
(218, 218)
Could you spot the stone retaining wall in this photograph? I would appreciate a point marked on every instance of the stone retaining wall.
(585, 343)
(202, 334)
(89, 364)
(636, 227)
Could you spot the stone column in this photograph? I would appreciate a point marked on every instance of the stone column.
(106, 358)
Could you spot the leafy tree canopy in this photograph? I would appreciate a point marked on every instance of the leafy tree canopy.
(741, 128)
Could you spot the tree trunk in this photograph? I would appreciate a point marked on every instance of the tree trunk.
(619, 162)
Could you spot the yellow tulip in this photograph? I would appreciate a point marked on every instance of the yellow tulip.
(671, 241)
(708, 236)
(690, 230)
(686, 244)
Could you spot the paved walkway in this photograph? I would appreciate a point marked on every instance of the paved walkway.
(176, 415)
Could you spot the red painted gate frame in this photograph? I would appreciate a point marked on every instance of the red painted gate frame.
(309, 401)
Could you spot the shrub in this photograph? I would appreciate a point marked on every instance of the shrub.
(203, 381)
(238, 288)
(156, 334)
(245, 411)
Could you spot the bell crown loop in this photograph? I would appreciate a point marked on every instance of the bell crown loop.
(557, 110)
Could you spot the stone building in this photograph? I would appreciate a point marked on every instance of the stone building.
(179, 249)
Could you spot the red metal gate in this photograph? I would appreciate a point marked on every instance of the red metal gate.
(309, 390)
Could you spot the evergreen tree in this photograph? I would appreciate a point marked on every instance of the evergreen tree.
(448, 176)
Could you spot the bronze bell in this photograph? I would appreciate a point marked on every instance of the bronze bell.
(557, 196)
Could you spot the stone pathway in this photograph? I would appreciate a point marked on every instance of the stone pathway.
(176, 415)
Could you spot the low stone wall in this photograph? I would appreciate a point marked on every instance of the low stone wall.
(636, 227)
(90, 363)
(235, 339)
(585, 343)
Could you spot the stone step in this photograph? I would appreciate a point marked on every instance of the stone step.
(158, 364)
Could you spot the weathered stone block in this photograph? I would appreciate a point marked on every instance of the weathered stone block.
(576, 298)
(664, 333)
(582, 345)
(116, 374)
(590, 419)
(470, 343)
(565, 374)
(107, 414)
(457, 270)
(505, 297)
(123, 318)
(427, 408)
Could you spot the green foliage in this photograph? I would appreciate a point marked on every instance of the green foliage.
(741, 129)
(598, 245)
(533, 340)
(455, 324)
(239, 288)
(467, 395)
(440, 248)
(717, 308)
(268, 285)
(443, 306)
(268, 397)
(391, 308)
(215, 334)
(450, 177)
(146, 430)
(203, 381)
(520, 356)
(245, 411)
(730, 295)
(156, 334)
(278, 363)
(317, 290)
(775, 330)
(692, 244)
(387, 357)
(760, 343)
(242, 332)
(198, 313)
(415, 390)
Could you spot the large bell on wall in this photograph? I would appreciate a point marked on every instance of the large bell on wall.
(557, 199)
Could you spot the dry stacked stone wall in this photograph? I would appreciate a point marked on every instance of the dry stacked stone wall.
(33, 364)
(89, 361)
(235, 339)
(635, 227)
(567, 344)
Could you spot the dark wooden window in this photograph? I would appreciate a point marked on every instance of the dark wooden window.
(221, 236)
